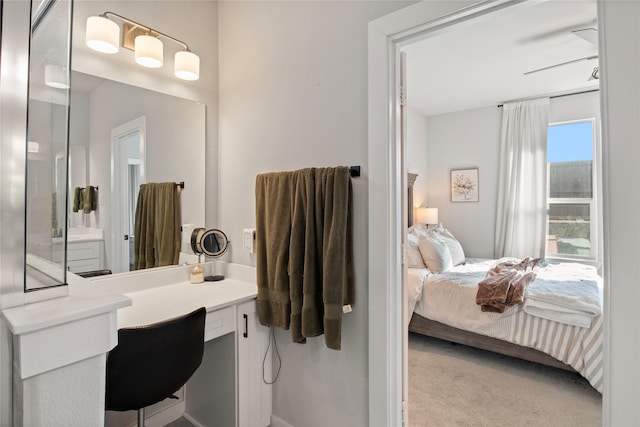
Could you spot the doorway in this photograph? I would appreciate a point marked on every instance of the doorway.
(128, 172)
(386, 38)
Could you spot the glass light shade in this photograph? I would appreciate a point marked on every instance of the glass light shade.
(427, 215)
(148, 51)
(102, 34)
(187, 65)
(56, 76)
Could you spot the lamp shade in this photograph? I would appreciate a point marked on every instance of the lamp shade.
(427, 215)
(56, 76)
(148, 51)
(102, 34)
(187, 65)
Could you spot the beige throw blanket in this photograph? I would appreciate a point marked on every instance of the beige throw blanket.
(505, 284)
(304, 256)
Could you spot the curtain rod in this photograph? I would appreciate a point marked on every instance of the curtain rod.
(552, 96)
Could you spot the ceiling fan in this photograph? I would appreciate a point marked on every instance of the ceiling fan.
(590, 35)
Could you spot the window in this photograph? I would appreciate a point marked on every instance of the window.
(571, 198)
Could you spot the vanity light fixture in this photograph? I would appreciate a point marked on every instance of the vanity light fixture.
(148, 51)
(145, 41)
(56, 76)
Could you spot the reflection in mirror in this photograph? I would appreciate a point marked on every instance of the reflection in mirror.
(47, 147)
(131, 136)
(214, 243)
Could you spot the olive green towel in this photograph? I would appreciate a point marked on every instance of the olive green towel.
(77, 199)
(157, 233)
(274, 196)
(89, 199)
(304, 228)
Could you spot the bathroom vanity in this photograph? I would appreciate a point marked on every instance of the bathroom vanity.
(60, 346)
(228, 388)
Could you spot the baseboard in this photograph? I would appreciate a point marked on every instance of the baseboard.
(276, 421)
(166, 416)
(192, 420)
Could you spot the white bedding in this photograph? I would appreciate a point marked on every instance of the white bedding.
(449, 298)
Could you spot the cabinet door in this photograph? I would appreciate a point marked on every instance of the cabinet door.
(254, 396)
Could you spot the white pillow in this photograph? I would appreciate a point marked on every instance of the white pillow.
(418, 230)
(455, 248)
(435, 253)
(414, 258)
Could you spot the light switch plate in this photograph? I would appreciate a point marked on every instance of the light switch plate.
(249, 240)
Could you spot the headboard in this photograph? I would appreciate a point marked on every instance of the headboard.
(411, 179)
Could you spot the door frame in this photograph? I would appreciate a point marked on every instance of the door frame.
(386, 37)
(119, 185)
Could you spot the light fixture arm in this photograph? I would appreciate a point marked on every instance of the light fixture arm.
(151, 30)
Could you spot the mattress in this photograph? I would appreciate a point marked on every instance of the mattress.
(449, 298)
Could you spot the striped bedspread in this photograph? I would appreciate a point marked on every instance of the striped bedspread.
(449, 298)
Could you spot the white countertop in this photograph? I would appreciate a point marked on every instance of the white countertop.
(165, 302)
(82, 301)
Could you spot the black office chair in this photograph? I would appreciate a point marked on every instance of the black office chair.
(152, 362)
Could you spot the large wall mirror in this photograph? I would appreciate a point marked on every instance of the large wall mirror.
(129, 125)
(47, 145)
(120, 137)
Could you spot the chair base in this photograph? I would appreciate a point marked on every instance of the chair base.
(141, 417)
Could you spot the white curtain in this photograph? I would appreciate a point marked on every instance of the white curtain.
(522, 183)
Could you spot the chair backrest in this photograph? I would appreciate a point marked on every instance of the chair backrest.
(152, 362)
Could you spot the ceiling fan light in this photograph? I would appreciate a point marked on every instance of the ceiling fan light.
(102, 34)
(187, 65)
(148, 51)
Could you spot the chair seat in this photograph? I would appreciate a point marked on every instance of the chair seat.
(152, 362)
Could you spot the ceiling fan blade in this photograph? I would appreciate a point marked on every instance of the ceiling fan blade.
(586, 58)
(588, 34)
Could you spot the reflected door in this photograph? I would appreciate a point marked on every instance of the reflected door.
(128, 143)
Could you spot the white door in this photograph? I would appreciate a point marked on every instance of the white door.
(127, 173)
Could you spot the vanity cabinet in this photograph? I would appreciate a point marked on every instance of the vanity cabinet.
(254, 369)
(82, 255)
(85, 256)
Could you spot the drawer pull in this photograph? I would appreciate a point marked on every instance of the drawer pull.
(246, 326)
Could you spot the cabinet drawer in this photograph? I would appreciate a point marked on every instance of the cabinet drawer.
(219, 322)
(83, 250)
(82, 265)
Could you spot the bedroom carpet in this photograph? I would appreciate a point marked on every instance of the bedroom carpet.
(456, 385)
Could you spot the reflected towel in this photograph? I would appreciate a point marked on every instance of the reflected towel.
(77, 199)
(157, 226)
(89, 202)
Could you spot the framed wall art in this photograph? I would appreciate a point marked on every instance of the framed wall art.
(465, 186)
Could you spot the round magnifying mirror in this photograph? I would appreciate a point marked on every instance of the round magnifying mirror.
(196, 240)
(214, 243)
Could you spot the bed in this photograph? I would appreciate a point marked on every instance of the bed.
(559, 324)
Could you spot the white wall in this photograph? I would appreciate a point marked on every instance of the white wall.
(416, 156)
(293, 94)
(461, 140)
(471, 138)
